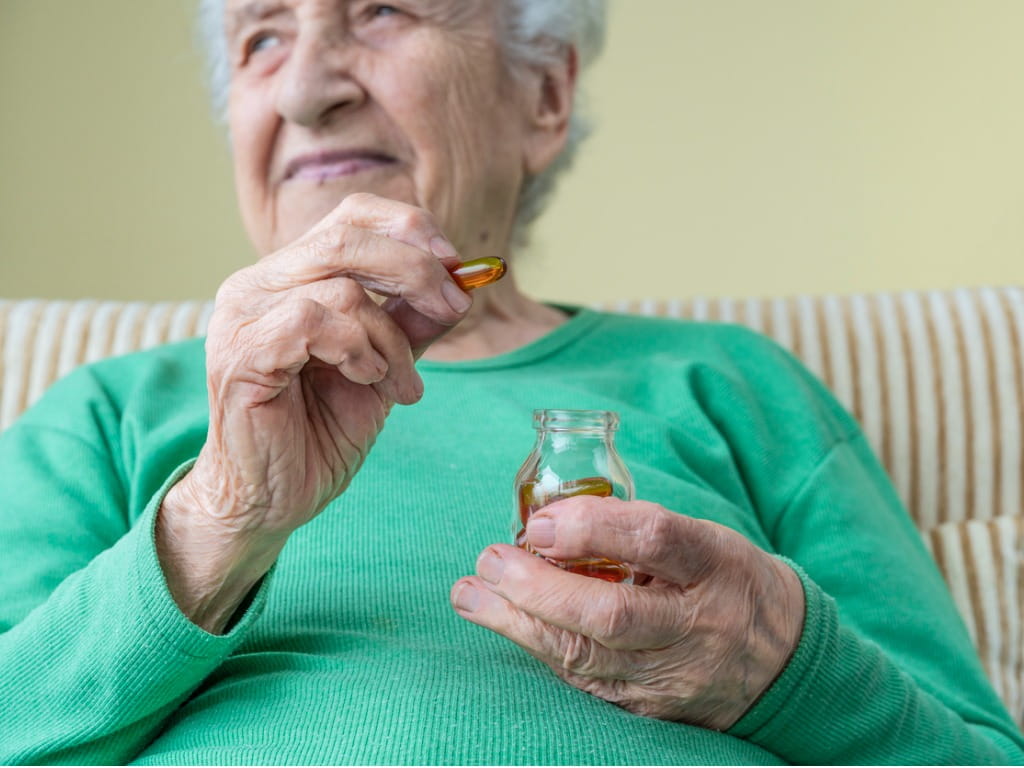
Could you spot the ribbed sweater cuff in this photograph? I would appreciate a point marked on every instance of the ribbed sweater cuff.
(161, 611)
(840, 700)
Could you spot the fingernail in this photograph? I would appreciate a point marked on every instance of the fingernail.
(540, 532)
(441, 248)
(380, 365)
(466, 598)
(490, 566)
(417, 385)
(455, 297)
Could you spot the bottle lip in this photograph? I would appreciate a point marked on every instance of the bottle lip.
(558, 419)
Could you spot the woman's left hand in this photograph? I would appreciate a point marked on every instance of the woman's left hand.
(711, 628)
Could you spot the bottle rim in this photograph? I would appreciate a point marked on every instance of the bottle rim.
(563, 419)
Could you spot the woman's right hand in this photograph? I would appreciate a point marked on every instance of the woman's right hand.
(303, 367)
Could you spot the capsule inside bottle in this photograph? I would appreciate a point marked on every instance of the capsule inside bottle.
(532, 497)
(477, 273)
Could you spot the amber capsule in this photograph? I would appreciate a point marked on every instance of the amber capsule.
(477, 273)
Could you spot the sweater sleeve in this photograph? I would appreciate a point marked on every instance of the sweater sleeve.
(885, 671)
(94, 653)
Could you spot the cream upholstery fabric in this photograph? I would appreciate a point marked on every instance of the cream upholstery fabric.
(43, 340)
(936, 379)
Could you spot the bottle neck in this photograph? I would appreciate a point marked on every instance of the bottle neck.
(565, 441)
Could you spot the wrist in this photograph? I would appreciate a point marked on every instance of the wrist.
(775, 633)
(210, 564)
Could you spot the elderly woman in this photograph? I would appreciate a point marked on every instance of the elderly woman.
(205, 562)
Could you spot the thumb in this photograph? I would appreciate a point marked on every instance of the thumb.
(656, 541)
(420, 330)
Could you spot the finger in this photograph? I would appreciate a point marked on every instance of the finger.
(391, 248)
(268, 352)
(420, 330)
(656, 541)
(618, 616)
(374, 334)
(393, 219)
(560, 648)
(295, 332)
(619, 677)
(380, 264)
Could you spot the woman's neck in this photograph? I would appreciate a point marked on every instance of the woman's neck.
(502, 319)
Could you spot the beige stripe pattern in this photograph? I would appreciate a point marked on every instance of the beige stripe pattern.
(936, 379)
(983, 561)
(43, 340)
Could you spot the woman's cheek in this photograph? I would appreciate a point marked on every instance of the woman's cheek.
(253, 123)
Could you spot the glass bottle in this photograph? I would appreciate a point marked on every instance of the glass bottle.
(574, 455)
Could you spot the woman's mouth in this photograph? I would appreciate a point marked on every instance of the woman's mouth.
(322, 166)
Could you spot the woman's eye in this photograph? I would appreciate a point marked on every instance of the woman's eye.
(383, 14)
(262, 43)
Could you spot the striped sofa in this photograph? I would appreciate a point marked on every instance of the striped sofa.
(935, 378)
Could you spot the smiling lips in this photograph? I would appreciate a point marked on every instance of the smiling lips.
(329, 165)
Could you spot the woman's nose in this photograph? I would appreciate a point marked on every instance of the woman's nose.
(316, 83)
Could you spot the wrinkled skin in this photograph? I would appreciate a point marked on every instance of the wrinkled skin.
(303, 367)
(417, 89)
(698, 640)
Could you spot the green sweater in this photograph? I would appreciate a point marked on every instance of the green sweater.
(349, 651)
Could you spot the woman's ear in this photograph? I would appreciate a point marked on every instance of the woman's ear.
(549, 105)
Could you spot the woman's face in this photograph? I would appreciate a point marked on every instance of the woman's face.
(408, 100)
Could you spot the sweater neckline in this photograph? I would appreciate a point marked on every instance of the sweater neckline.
(580, 322)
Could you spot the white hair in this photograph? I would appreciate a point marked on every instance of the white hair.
(532, 33)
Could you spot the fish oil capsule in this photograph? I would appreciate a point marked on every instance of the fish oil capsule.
(476, 273)
(574, 455)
